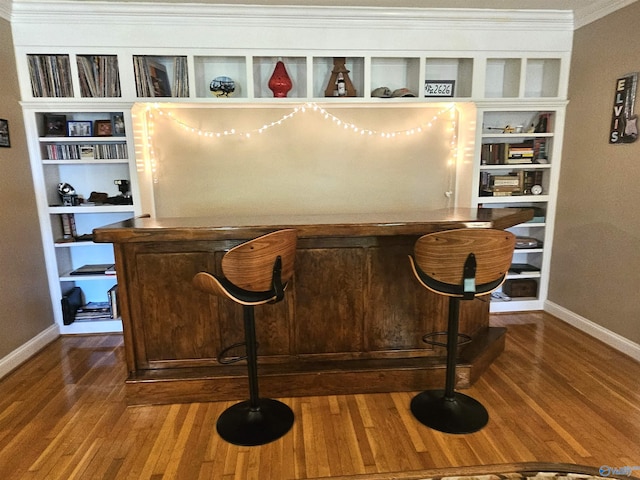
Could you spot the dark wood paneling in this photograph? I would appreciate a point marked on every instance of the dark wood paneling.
(177, 322)
(329, 300)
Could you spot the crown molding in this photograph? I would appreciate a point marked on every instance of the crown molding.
(597, 10)
(82, 12)
(5, 9)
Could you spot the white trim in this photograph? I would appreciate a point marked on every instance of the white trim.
(612, 339)
(26, 351)
(138, 13)
(597, 10)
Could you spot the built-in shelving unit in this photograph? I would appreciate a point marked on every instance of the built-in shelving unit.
(517, 165)
(509, 81)
(189, 76)
(91, 165)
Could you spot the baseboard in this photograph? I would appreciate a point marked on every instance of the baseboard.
(26, 351)
(612, 339)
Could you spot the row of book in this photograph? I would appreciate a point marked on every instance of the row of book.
(99, 75)
(50, 75)
(98, 151)
(152, 79)
(76, 308)
(531, 151)
(515, 183)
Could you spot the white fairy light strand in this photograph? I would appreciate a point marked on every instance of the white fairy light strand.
(153, 111)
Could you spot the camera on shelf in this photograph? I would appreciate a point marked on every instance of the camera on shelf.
(68, 195)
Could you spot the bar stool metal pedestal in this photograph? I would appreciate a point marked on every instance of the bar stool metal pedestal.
(461, 264)
(254, 273)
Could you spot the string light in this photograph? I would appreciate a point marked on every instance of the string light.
(154, 112)
(307, 107)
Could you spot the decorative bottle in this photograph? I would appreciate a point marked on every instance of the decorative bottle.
(341, 86)
(280, 83)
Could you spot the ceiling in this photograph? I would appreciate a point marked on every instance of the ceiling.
(585, 11)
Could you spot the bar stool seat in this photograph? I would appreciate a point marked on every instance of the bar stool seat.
(254, 273)
(460, 264)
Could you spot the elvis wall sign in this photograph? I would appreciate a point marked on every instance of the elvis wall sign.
(624, 128)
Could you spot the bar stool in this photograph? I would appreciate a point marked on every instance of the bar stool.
(254, 273)
(461, 264)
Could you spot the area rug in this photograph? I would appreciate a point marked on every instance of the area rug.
(509, 471)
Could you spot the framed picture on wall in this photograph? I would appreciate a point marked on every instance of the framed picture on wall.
(4, 133)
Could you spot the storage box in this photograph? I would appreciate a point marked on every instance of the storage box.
(521, 287)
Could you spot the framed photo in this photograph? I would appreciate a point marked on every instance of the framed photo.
(79, 128)
(439, 88)
(4, 133)
(55, 125)
(103, 128)
(117, 125)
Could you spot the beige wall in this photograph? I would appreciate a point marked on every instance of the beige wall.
(595, 267)
(25, 308)
(307, 165)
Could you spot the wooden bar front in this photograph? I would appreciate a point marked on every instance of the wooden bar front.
(351, 322)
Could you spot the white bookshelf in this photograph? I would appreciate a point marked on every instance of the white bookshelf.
(490, 56)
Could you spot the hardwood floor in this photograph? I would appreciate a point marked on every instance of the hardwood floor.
(554, 395)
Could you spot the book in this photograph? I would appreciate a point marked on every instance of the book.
(95, 269)
(68, 226)
(112, 293)
(523, 268)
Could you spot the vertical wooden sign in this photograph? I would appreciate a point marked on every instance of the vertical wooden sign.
(624, 128)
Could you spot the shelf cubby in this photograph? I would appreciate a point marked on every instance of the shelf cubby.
(323, 66)
(209, 67)
(502, 78)
(263, 68)
(542, 77)
(395, 73)
(161, 76)
(459, 70)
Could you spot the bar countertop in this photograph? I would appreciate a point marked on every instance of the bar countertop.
(221, 227)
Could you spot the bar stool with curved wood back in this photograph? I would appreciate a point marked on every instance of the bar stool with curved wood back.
(461, 264)
(254, 273)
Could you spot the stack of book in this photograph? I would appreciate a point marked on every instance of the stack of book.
(74, 307)
(518, 153)
(94, 311)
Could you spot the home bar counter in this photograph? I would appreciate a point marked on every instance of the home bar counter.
(352, 320)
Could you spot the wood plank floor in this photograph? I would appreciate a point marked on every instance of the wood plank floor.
(554, 395)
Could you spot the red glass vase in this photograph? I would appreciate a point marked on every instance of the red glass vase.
(280, 83)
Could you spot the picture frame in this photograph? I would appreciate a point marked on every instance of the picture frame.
(4, 133)
(79, 128)
(117, 125)
(439, 88)
(103, 128)
(55, 125)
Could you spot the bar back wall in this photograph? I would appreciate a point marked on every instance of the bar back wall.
(198, 160)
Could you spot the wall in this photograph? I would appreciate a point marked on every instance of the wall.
(308, 164)
(24, 294)
(595, 267)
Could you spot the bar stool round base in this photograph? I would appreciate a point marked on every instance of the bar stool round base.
(242, 425)
(458, 414)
